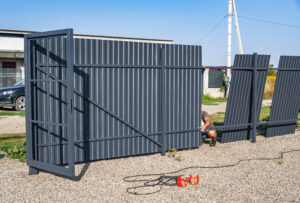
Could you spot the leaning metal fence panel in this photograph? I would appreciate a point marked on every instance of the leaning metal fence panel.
(285, 104)
(239, 104)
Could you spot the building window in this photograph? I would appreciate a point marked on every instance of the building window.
(6, 64)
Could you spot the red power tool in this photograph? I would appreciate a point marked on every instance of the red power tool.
(182, 181)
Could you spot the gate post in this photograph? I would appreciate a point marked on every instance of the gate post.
(163, 102)
(33, 171)
(70, 93)
(254, 98)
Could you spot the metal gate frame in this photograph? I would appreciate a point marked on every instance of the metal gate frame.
(31, 65)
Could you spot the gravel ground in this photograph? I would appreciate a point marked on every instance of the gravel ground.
(262, 181)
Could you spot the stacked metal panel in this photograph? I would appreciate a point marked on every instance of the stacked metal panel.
(285, 104)
(239, 104)
(134, 94)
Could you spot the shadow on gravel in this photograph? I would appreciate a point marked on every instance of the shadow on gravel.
(82, 172)
(76, 178)
(1, 156)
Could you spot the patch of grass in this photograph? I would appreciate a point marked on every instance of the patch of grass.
(265, 113)
(173, 154)
(218, 118)
(14, 145)
(269, 88)
(264, 116)
(208, 100)
(12, 136)
(12, 113)
(179, 157)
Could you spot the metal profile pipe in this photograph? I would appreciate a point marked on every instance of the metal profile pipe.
(254, 96)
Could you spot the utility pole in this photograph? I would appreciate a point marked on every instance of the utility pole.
(231, 6)
(229, 35)
(237, 28)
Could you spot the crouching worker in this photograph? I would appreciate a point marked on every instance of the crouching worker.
(206, 122)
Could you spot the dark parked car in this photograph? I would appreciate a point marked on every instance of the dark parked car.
(13, 96)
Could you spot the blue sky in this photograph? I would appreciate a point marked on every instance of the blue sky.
(184, 21)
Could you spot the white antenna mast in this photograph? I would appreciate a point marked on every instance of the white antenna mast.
(231, 6)
(229, 34)
(237, 28)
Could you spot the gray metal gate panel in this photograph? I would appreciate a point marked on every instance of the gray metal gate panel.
(239, 104)
(49, 94)
(285, 104)
(130, 87)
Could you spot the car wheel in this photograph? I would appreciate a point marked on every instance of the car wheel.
(20, 104)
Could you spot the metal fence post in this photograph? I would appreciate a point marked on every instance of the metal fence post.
(254, 98)
(71, 138)
(163, 102)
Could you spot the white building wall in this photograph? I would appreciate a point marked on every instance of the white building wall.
(12, 43)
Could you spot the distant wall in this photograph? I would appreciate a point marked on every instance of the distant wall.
(213, 92)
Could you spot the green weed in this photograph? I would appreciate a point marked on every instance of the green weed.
(14, 145)
(208, 100)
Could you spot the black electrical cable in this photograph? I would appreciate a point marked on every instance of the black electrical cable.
(213, 28)
(247, 18)
(270, 22)
(164, 180)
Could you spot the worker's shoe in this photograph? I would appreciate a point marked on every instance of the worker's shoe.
(213, 143)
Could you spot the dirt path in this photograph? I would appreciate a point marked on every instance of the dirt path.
(12, 124)
(211, 109)
(16, 124)
(221, 107)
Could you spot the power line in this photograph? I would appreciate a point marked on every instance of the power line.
(213, 28)
(270, 22)
(247, 18)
